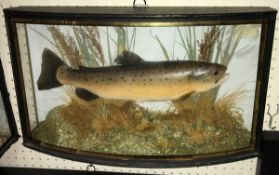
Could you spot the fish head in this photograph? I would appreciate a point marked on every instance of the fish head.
(217, 74)
(210, 76)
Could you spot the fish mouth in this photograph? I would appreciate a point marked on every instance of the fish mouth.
(222, 79)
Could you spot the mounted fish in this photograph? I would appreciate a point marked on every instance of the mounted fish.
(141, 81)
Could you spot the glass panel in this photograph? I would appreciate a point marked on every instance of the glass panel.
(141, 90)
(5, 132)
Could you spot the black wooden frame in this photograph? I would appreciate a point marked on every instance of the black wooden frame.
(142, 16)
(9, 112)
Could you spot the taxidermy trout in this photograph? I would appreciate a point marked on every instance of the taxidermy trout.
(134, 79)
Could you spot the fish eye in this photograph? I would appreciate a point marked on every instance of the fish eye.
(215, 72)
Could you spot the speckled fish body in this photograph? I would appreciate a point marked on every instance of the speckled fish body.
(134, 79)
(148, 81)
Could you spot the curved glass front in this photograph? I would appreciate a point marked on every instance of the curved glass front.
(144, 90)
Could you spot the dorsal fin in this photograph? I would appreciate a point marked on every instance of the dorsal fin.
(128, 58)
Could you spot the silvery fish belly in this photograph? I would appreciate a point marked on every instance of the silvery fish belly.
(144, 81)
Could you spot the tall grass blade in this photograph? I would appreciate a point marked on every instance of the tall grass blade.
(188, 42)
(108, 46)
(219, 47)
(82, 46)
(194, 44)
(173, 47)
(121, 40)
(132, 40)
(183, 43)
(165, 52)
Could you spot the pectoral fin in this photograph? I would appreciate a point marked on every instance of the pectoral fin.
(85, 94)
(184, 97)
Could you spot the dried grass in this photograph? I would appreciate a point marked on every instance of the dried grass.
(206, 47)
(93, 35)
(66, 46)
(89, 42)
(199, 127)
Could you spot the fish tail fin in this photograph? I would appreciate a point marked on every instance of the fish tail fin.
(50, 63)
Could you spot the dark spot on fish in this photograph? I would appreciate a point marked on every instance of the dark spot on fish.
(150, 79)
(133, 79)
(122, 77)
(96, 82)
(110, 78)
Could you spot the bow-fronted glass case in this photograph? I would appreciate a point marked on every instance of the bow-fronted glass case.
(142, 86)
(8, 131)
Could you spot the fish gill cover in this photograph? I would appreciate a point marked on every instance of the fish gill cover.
(200, 123)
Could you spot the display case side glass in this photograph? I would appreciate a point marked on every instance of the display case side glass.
(8, 130)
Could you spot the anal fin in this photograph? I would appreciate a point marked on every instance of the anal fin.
(85, 94)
